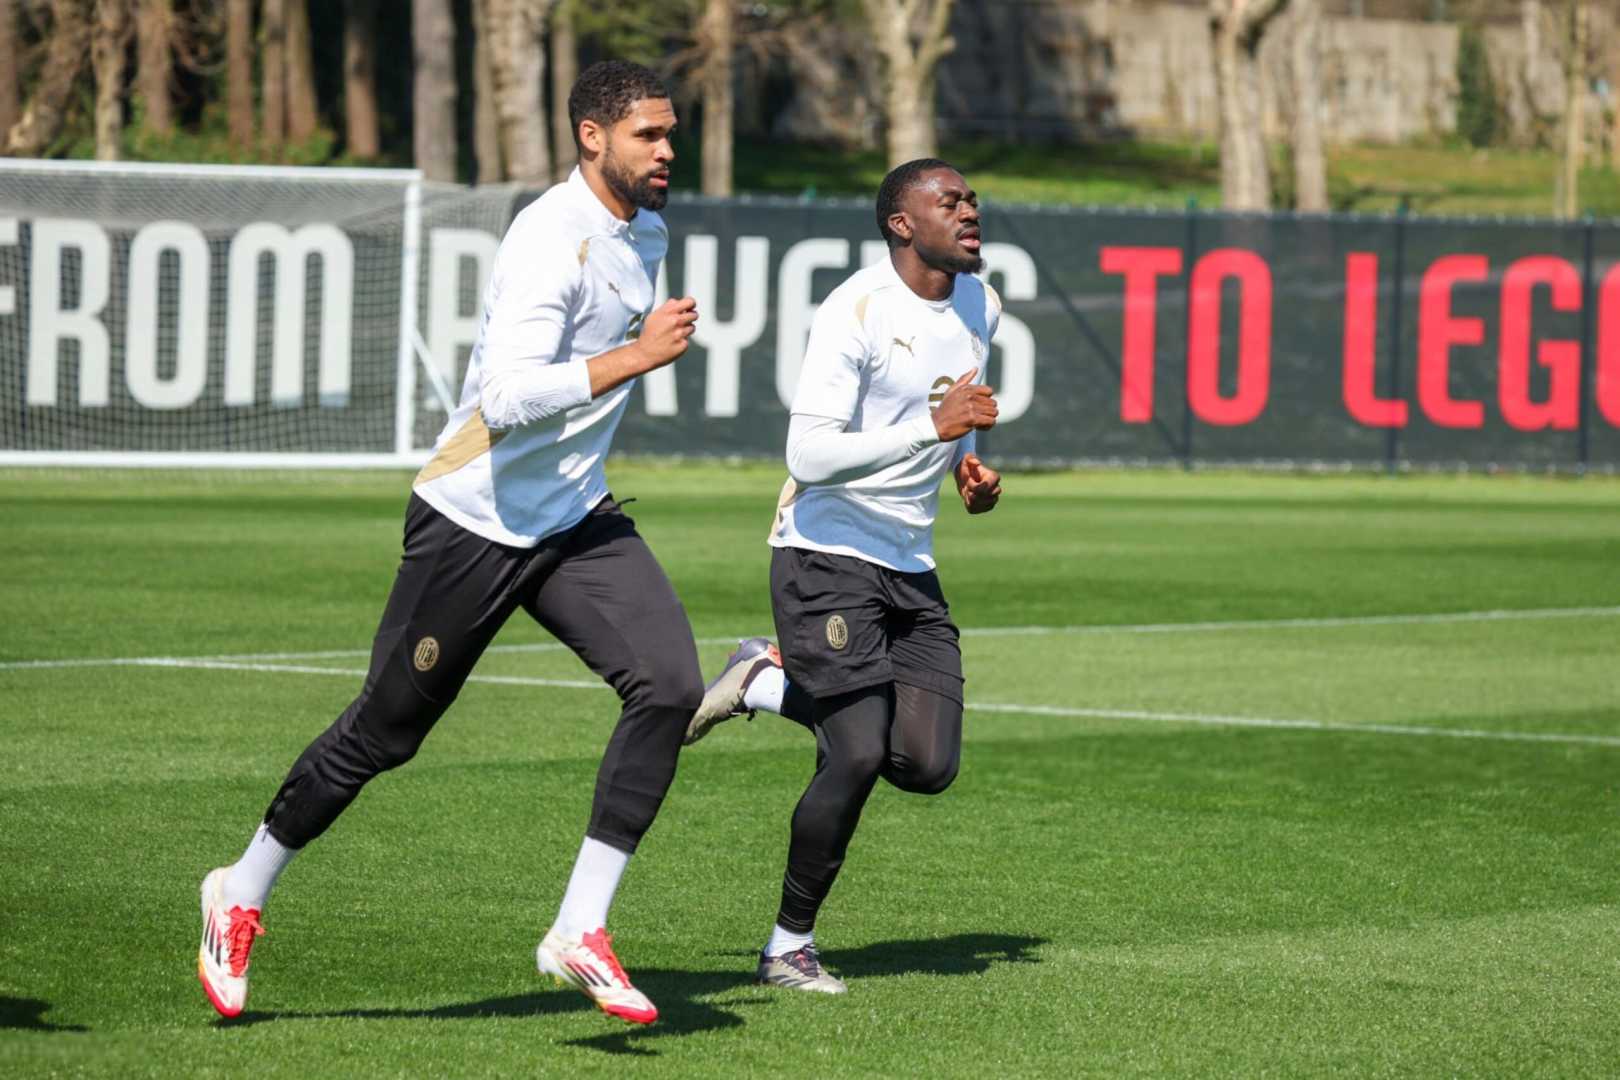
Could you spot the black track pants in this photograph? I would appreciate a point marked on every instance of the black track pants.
(908, 735)
(596, 587)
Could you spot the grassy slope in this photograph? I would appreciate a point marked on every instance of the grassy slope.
(1370, 178)
(1101, 895)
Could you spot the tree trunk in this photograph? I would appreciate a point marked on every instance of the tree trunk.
(154, 70)
(1310, 169)
(239, 70)
(1530, 28)
(909, 70)
(1569, 202)
(518, 64)
(486, 121)
(717, 39)
(564, 70)
(8, 65)
(47, 105)
(433, 40)
(360, 79)
(303, 108)
(108, 40)
(273, 72)
(1614, 100)
(1236, 27)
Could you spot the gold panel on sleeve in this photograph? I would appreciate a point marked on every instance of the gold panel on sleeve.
(473, 439)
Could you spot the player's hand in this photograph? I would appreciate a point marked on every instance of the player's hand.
(667, 332)
(979, 484)
(966, 407)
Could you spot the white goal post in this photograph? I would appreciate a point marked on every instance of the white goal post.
(196, 315)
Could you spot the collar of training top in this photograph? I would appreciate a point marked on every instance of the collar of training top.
(598, 214)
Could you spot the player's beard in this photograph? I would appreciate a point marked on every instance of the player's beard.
(951, 260)
(633, 189)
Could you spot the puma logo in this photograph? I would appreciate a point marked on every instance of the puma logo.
(906, 345)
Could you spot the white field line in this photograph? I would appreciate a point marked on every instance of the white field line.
(1504, 615)
(1301, 725)
(276, 658)
(1204, 719)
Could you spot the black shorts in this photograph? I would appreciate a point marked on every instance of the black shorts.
(844, 624)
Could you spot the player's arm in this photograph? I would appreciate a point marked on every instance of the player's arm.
(820, 451)
(665, 335)
(977, 483)
(528, 319)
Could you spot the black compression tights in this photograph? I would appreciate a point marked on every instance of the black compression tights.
(909, 736)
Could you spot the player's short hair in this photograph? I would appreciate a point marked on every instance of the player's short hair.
(901, 179)
(606, 91)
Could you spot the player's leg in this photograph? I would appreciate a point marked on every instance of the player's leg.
(820, 594)
(611, 602)
(451, 594)
(751, 679)
(925, 741)
(831, 619)
(851, 751)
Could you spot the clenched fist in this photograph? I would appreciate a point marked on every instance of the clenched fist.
(966, 407)
(667, 331)
(978, 483)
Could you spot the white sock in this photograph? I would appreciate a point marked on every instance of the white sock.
(249, 883)
(787, 941)
(767, 690)
(590, 889)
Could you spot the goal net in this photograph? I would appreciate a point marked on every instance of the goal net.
(207, 315)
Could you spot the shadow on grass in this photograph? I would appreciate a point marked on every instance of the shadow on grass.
(681, 995)
(682, 1013)
(538, 1004)
(28, 1014)
(959, 954)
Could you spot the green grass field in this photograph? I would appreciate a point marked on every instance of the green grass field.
(1217, 814)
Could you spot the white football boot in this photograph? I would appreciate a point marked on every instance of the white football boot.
(723, 698)
(589, 966)
(227, 939)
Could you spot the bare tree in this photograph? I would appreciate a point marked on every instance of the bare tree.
(154, 66)
(518, 63)
(1614, 99)
(564, 70)
(109, 40)
(239, 70)
(1310, 170)
(909, 61)
(1575, 80)
(303, 108)
(486, 122)
(47, 105)
(273, 72)
(433, 40)
(360, 79)
(717, 35)
(1237, 27)
(8, 65)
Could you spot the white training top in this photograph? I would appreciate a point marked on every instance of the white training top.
(880, 358)
(521, 457)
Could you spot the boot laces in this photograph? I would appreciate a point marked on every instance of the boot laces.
(244, 928)
(601, 945)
